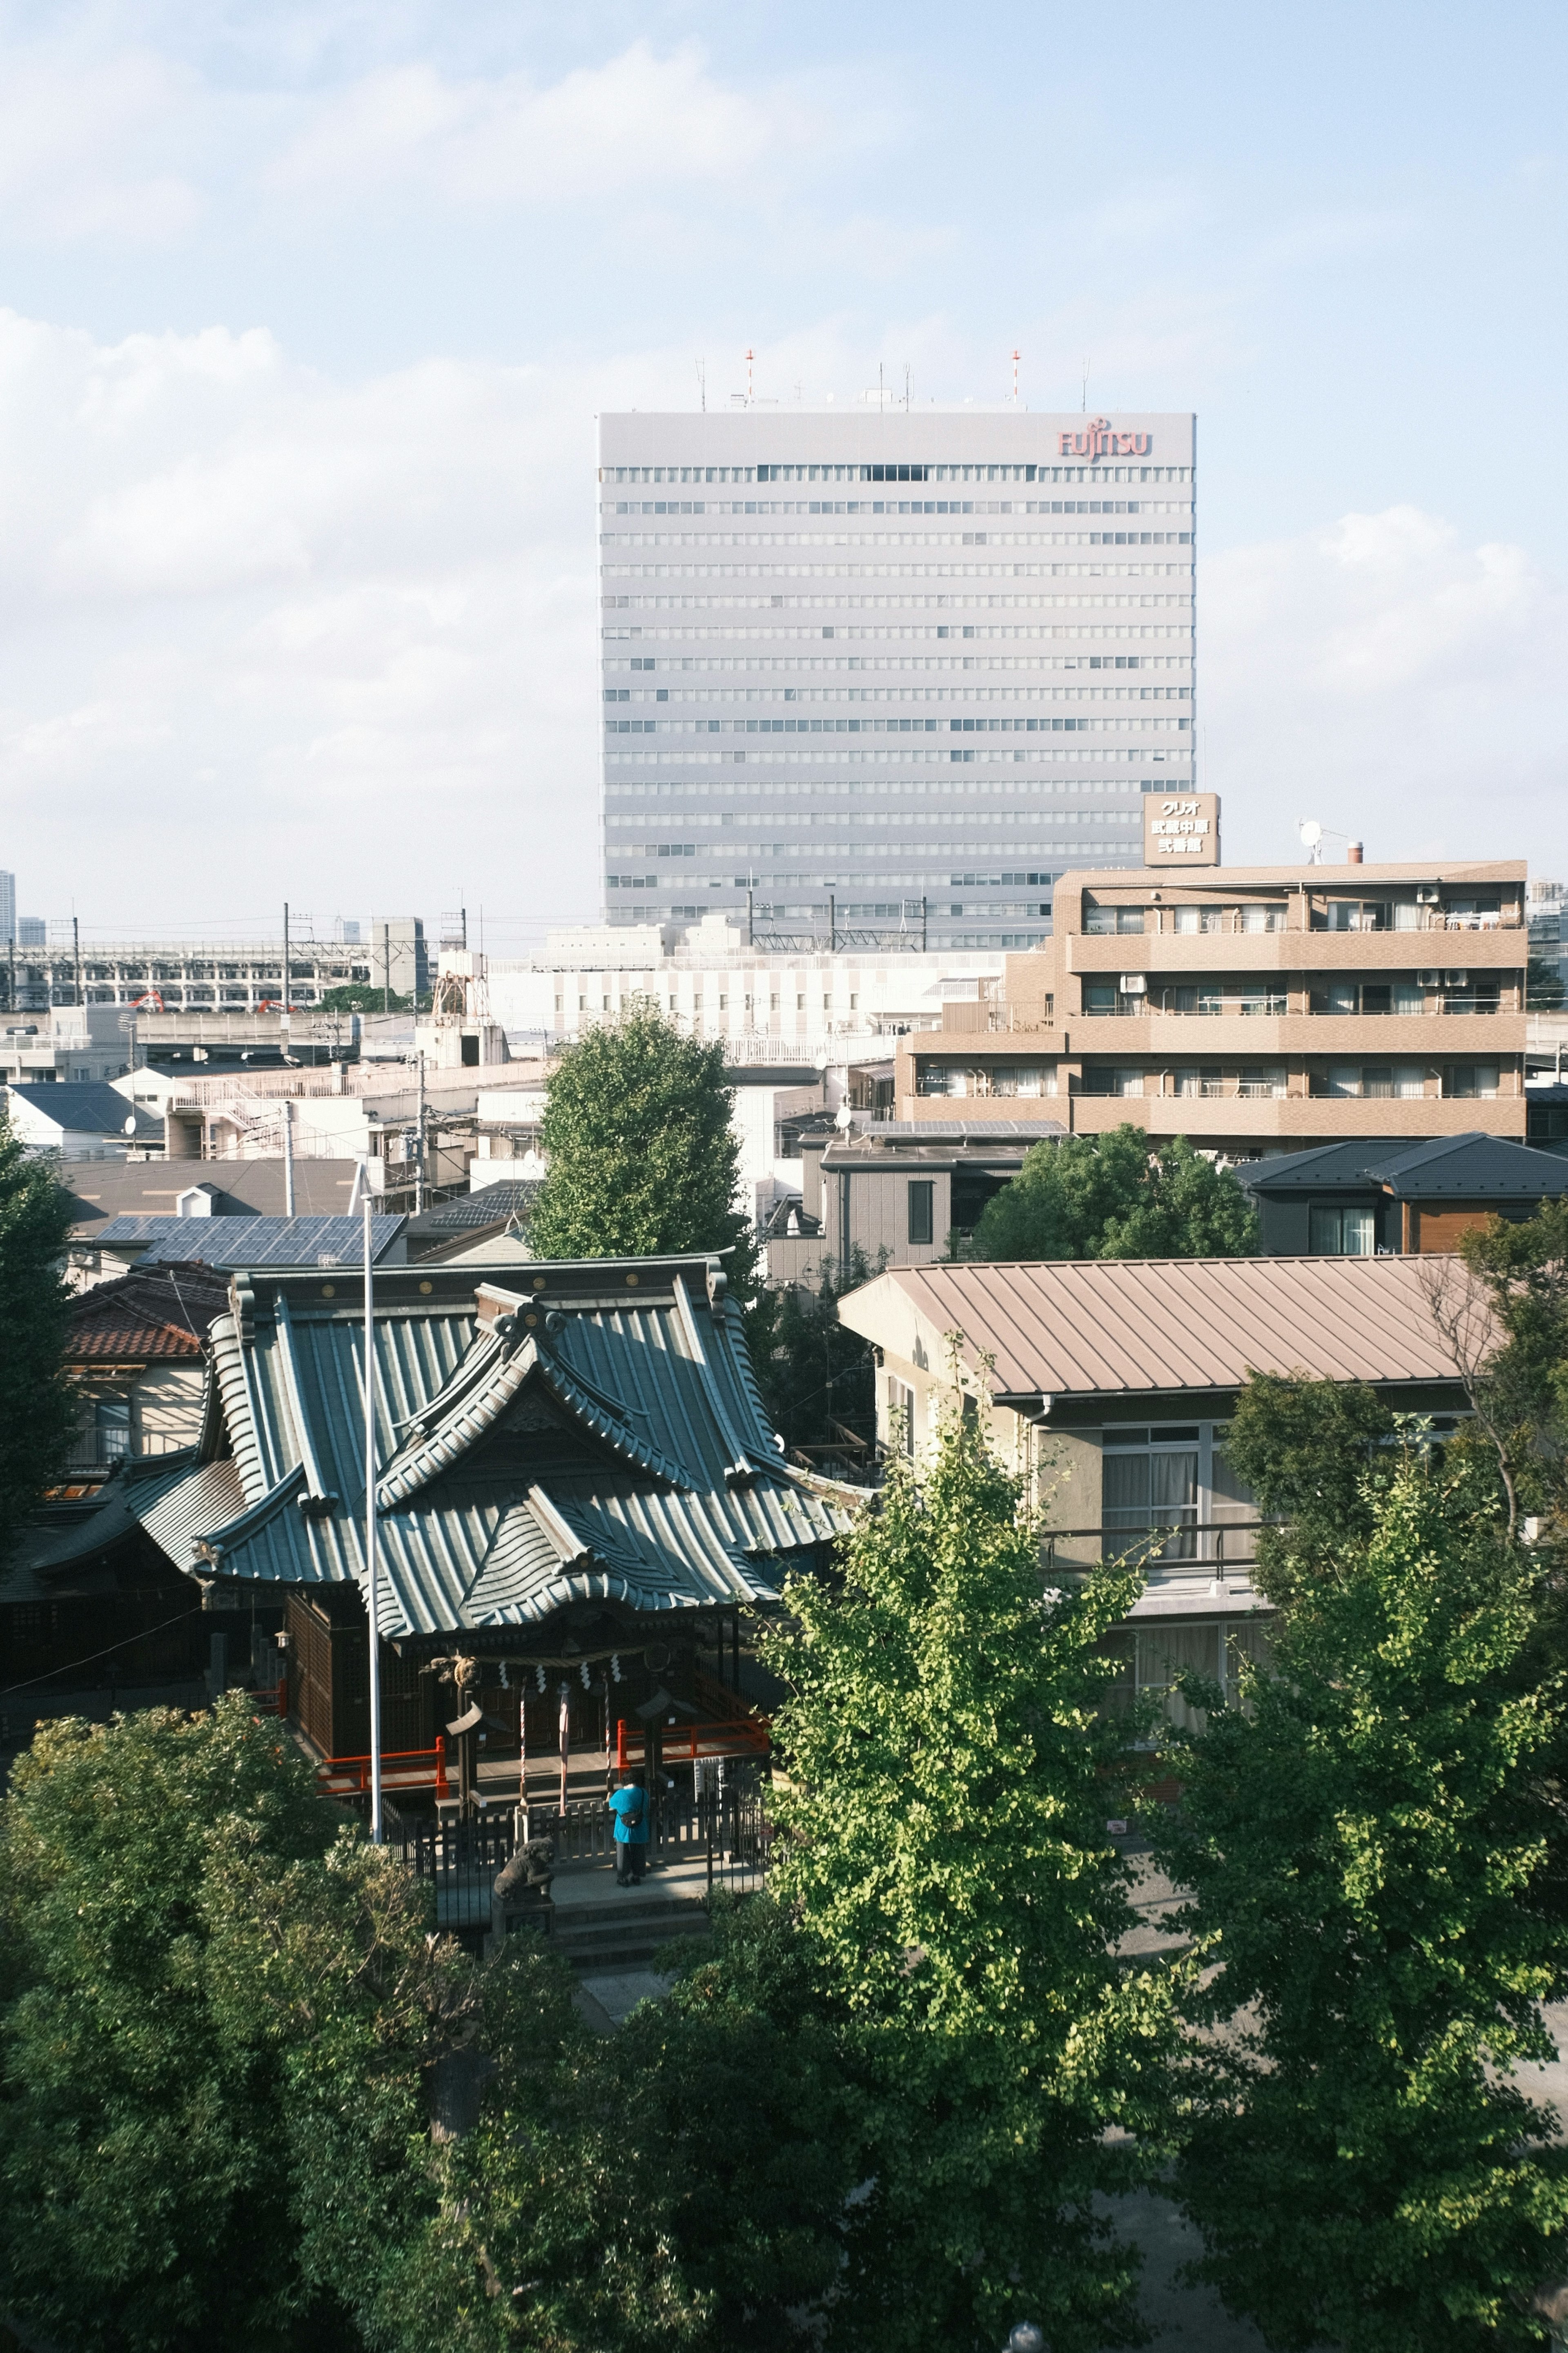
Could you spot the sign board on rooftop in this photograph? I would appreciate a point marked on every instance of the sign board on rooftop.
(1180, 829)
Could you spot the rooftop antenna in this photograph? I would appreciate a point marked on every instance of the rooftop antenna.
(748, 360)
(1015, 379)
(1085, 385)
(1311, 833)
(701, 368)
(881, 395)
(905, 385)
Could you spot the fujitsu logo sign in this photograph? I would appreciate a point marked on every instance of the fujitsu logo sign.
(1101, 439)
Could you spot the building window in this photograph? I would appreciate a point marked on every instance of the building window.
(1150, 1481)
(922, 1210)
(112, 1420)
(1108, 1080)
(1098, 921)
(1471, 1081)
(900, 1416)
(937, 1079)
(1333, 1232)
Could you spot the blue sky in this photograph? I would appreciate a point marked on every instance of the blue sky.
(308, 311)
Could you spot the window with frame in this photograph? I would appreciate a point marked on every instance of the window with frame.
(1477, 1082)
(900, 1416)
(1334, 1231)
(1150, 1483)
(922, 1210)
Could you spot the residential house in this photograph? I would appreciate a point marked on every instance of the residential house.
(135, 1352)
(228, 1242)
(87, 1122)
(1109, 1387)
(101, 1191)
(895, 1193)
(1360, 1198)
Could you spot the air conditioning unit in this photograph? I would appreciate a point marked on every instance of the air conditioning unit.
(1428, 980)
(1133, 983)
(1455, 980)
(1428, 898)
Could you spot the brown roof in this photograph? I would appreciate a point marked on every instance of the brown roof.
(1300, 876)
(158, 1311)
(102, 1190)
(1107, 1326)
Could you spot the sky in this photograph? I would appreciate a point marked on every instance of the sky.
(307, 313)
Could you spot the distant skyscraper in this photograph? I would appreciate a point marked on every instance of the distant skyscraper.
(990, 615)
(32, 932)
(7, 908)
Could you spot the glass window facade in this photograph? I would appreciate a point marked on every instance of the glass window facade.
(975, 654)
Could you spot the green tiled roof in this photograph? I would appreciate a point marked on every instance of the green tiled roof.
(598, 1437)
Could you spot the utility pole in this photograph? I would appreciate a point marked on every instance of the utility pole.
(288, 1157)
(283, 1007)
(372, 1604)
(386, 968)
(76, 996)
(420, 1165)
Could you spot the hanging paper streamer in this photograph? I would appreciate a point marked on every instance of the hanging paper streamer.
(539, 1672)
(584, 1672)
(505, 1684)
(615, 1666)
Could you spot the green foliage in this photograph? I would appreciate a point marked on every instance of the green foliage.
(1518, 1369)
(1308, 1451)
(1112, 1196)
(816, 1371)
(1366, 1842)
(177, 1928)
(1542, 986)
(642, 1157)
(363, 996)
(946, 1860)
(37, 1410)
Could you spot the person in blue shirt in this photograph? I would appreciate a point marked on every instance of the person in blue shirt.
(630, 1808)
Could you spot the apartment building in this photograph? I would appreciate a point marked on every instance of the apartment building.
(1252, 1008)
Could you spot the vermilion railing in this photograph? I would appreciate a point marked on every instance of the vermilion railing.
(401, 1769)
(684, 1744)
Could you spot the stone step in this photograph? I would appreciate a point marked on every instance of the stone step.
(605, 1935)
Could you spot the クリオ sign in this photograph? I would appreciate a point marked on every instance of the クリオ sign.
(1181, 828)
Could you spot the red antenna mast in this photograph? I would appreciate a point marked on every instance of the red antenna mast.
(748, 360)
(1015, 379)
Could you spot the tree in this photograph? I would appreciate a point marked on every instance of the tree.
(1366, 1842)
(946, 1860)
(38, 1407)
(1311, 1452)
(1112, 1196)
(1542, 986)
(817, 1372)
(363, 996)
(146, 2107)
(643, 1156)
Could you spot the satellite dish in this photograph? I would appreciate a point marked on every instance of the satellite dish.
(1311, 832)
(130, 1123)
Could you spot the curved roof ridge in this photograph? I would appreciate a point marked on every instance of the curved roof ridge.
(562, 1380)
(478, 1405)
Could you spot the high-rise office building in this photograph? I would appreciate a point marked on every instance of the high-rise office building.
(7, 908)
(885, 673)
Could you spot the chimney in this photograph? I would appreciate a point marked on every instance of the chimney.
(1353, 854)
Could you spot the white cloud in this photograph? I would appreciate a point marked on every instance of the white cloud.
(268, 635)
(1381, 676)
(84, 146)
(637, 122)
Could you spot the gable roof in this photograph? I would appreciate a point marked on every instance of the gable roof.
(102, 1190)
(595, 1433)
(1114, 1327)
(153, 1312)
(86, 1107)
(1473, 1167)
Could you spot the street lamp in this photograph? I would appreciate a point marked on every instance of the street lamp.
(1026, 2337)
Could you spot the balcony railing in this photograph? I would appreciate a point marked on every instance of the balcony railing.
(1172, 1540)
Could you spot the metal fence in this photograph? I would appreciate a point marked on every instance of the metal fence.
(721, 1825)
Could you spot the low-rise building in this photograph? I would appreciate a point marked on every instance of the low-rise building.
(89, 1122)
(1108, 1386)
(82, 1044)
(157, 975)
(1252, 1008)
(1362, 1199)
(883, 1193)
(135, 1353)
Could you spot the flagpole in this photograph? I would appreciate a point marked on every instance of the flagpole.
(372, 1600)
